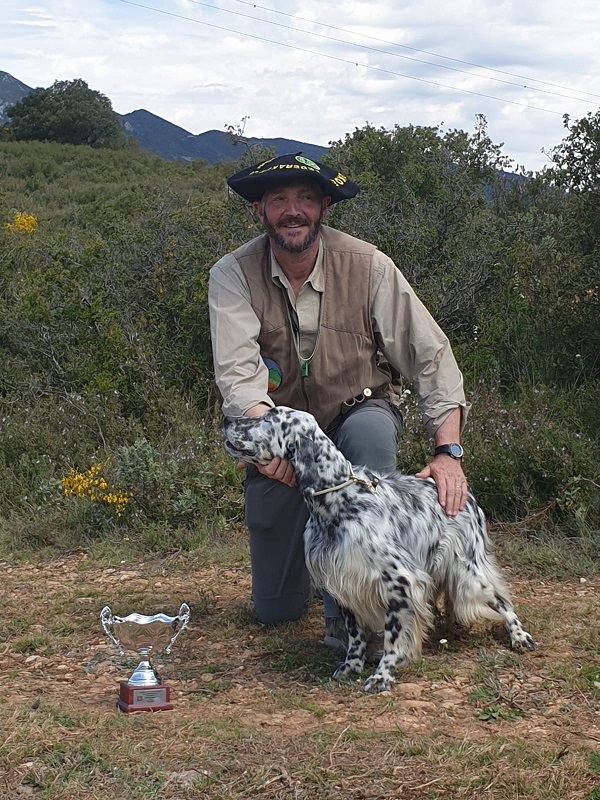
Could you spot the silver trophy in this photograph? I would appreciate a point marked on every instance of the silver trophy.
(144, 635)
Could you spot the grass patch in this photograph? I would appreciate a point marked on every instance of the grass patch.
(33, 643)
(285, 652)
(547, 553)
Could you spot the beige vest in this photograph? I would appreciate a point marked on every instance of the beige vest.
(346, 360)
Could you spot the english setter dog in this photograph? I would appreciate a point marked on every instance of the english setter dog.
(382, 546)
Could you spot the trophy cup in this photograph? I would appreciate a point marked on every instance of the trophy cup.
(144, 635)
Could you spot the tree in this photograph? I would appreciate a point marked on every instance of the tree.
(425, 201)
(577, 158)
(576, 171)
(69, 112)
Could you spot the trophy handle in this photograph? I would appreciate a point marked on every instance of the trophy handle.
(183, 616)
(107, 620)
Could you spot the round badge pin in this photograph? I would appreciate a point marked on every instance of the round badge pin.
(275, 375)
(308, 163)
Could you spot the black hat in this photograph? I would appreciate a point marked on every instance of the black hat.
(251, 183)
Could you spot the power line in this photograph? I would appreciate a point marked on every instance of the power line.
(417, 50)
(341, 60)
(383, 52)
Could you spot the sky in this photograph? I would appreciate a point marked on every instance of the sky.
(316, 70)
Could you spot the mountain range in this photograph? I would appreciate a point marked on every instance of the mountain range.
(166, 140)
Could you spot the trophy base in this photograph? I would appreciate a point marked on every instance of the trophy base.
(143, 698)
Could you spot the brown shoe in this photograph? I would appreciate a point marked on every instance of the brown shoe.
(336, 635)
(374, 647)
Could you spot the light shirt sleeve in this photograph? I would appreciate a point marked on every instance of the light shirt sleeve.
(415, 345)
(240, 373)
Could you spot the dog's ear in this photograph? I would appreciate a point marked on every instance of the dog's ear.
(304, 453)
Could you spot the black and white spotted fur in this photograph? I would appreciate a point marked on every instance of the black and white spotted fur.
(385, 552)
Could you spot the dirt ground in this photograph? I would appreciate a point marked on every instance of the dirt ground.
(274, 684)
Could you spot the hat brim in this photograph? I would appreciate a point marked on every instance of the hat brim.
(251, 184)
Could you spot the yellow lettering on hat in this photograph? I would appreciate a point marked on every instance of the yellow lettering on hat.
(339, 179)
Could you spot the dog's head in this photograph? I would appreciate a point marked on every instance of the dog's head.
(257, 440)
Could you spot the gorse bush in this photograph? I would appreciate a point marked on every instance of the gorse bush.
(179, 491)
(22, 223)
(174, 485)
(105, 356)
(93, 486)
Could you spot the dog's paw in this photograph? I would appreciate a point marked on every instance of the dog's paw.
(377, 683)
(348, 670)
(522, 641)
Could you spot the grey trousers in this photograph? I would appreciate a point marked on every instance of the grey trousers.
(368, 435)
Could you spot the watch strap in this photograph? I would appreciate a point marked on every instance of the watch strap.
(453, 450)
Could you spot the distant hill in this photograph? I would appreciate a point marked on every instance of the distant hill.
(174, 143)
(11, 91)
(166, 140)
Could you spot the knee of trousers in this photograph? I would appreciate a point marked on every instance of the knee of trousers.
(370, 436)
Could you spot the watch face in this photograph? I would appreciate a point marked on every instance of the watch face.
(456, 451)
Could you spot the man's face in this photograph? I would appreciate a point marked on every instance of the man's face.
(292, 215)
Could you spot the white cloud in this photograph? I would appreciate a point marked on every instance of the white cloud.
(208, 71)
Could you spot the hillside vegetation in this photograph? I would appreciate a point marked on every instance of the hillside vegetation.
(110, 421)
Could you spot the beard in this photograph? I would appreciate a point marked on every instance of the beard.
(278, 238)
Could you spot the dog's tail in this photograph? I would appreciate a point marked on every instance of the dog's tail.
(475, 586)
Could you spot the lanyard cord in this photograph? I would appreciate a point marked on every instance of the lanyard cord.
(295, 329)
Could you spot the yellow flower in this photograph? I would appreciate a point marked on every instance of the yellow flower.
(22, 223)
(93, 486)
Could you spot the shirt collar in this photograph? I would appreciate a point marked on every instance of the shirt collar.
(316, 277)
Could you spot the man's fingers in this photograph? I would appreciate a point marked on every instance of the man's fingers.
(455, 497)
(450, 482)
(279, 470)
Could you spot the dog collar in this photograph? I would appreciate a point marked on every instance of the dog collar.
(370, 485)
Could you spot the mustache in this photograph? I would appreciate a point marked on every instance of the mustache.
(290, 220)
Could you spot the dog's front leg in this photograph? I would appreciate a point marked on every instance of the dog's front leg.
(357, 648)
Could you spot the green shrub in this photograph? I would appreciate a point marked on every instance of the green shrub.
(527, 450)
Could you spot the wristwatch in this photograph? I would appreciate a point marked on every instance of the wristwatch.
(453, 450)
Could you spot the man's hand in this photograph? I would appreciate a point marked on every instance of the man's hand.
(450, 482)
(278, 469)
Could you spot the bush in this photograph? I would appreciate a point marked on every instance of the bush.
(533, 453)
(527, 450)
(172, 493)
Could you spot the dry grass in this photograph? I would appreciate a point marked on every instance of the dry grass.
(256, 714)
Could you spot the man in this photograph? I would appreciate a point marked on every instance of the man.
(309, 317)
